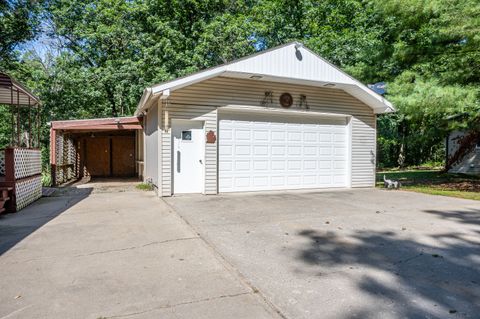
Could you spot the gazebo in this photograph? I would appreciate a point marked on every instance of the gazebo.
(20, 160)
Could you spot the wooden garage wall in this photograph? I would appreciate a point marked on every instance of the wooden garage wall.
(200, 101)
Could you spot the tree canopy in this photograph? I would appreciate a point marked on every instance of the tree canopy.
(103, 53)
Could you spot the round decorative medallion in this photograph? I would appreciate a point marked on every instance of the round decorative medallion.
(286, 100)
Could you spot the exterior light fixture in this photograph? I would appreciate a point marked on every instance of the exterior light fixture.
(329, 85)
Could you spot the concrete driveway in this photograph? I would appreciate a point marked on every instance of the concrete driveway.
(348, 254)
(114, 253)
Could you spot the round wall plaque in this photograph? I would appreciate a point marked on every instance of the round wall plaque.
(286, 100)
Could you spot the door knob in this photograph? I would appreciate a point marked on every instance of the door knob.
(200, 161)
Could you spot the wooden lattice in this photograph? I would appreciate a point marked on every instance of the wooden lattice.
(65, 158)
(2, 163)
(28, 191)
(27, 162)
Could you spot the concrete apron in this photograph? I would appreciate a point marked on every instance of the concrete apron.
(115, 254)
(359, 253)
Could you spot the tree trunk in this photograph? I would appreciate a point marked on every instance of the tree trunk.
(111, 99)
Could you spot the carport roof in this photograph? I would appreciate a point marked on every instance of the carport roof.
(290, 63)
(101, 124)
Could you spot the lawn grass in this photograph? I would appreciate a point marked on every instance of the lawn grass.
(435, 182)
(144, 187)
(443, 192)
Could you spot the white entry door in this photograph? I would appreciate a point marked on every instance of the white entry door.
(188, 156)
(266, 153)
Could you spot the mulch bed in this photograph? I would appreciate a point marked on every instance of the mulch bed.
(464, 186)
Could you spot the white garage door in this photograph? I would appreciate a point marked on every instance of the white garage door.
(269, 154)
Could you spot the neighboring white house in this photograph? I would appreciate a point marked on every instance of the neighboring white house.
(284, 118)
(470, 163)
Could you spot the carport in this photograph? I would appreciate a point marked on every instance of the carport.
(111, 147)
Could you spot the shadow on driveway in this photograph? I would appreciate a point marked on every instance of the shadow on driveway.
(17, 226)
(445, 273)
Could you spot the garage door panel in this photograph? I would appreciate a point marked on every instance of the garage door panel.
(310, 165)
(260, 181)
(261, 135)
(310, 150)
(277, 165)
(278, 150)
(294, 150)
(242, 165)
(256, 155)
(325, 150)
(242, 134)
(294, 136)
(310, 180)
(260, 165)
(260, 150)
(294, 165)
(340, 151)
(310, 137)
(225, 166)
(225, 150)
(339, 180)
(242, 150)
(339, 164)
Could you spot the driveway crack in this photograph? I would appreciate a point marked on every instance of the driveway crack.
(136, 247)
(167, 306)
(407, 259)
(234, 271)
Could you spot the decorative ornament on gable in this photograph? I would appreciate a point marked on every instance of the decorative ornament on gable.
(267, 99)
(302, 103)
(211, 138)
(286, 100)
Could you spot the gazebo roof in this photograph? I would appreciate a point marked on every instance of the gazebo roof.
(14, 93)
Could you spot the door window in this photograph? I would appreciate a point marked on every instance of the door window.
(186, 135)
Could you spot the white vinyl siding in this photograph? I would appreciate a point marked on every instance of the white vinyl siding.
(200, 101)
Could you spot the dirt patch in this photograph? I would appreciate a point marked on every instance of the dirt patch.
(466, 186)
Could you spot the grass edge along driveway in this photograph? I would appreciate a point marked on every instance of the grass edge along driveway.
(435, 182)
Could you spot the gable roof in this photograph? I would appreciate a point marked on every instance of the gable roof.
(289, 63)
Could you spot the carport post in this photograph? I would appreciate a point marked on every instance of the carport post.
(53, 156)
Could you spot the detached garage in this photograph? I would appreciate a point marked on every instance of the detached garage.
(280, 119)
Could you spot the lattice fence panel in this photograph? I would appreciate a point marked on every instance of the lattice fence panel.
(59, 149)
(66, 155)
(60, 179)
(28, 191)
(27, 162)
(2, 163)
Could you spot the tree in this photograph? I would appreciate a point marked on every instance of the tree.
(18, 23)
(431, 59)
(107, 51)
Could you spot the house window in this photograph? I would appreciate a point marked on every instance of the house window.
(186, 135)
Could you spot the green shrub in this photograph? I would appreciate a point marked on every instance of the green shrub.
(145, 186)
(46, 179)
